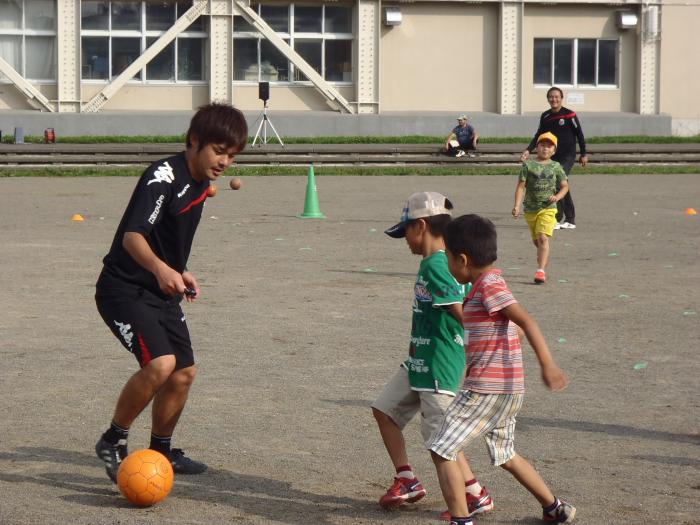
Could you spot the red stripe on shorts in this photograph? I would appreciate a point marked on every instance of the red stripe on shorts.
(145, 353)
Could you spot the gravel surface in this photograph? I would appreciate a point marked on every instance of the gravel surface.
(300, 324)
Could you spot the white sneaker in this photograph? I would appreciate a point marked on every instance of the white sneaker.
(568, 226)
(558, 226)
(460, 153)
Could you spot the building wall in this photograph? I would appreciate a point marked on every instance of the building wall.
(287, 98)
(590, 22)
(139, 97)
(443, 57)
(679, 74)
(12, 98)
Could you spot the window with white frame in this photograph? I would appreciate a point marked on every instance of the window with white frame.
(114, 34)
(321, 34)
(28, 37)
(576, 62)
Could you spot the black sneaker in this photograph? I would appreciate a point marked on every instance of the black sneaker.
(185, 465)
(112, 455)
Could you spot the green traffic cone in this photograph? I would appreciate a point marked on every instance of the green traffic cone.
(311, 207)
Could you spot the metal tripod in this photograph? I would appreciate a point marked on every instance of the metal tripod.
(263, 126)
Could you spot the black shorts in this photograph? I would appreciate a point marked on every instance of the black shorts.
(147, 326)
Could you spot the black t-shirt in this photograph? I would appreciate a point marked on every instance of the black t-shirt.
(566, 127)
(165, 208)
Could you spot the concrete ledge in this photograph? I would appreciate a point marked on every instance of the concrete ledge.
(350, 158)
(334, 154)
(686, 127)
(328, 124)
(163, 149)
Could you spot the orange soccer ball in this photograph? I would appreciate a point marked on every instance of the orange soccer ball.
(235, 183)
(212, 191)
(145, 477)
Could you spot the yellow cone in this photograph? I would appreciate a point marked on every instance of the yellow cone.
(77, 217)
(690, 211)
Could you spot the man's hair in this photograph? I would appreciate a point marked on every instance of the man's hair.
(555, 88)
(218, 124)
(474, 236)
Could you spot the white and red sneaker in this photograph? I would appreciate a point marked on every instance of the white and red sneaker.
(476, 504)
(403, 490)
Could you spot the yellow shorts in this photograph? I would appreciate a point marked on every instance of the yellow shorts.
(542, 221)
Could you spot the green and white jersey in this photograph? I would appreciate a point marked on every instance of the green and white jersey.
(541, 182)
(437, 357)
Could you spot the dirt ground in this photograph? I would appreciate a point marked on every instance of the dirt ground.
(301, 323)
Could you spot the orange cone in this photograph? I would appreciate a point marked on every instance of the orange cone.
(690, 211)
(77, 217)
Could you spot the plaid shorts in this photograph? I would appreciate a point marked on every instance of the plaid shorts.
(471, 415)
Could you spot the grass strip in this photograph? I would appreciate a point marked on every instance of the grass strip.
(248, 171)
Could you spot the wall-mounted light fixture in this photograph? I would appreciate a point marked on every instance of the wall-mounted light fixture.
(626, 19)
(392, 16)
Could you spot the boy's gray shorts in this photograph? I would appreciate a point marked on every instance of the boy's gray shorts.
(401, 404)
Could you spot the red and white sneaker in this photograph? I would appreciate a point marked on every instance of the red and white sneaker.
(476, 504)
(403, 490)
(540, 277)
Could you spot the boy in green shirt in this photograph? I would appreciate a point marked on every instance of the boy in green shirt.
(431, 376)
(538, 181)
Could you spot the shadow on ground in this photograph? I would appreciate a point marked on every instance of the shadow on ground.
(269, 499)
(606, 428)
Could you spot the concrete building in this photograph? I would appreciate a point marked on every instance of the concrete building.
(349, 67)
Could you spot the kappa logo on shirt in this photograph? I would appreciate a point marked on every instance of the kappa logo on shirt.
(163, 173)
(184, 190)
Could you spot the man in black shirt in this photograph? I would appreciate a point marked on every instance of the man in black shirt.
(145, 277)
(564, 123)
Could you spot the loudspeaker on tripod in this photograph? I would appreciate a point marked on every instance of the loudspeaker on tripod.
(264, 91)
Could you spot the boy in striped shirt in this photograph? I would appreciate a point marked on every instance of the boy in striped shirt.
(428, 380)
(493, 389)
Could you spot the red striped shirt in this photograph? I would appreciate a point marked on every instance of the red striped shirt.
(494, 355)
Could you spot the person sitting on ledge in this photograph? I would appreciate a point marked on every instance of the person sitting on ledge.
(462, 140)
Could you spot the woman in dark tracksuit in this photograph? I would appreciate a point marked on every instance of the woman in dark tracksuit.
(564, 123)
